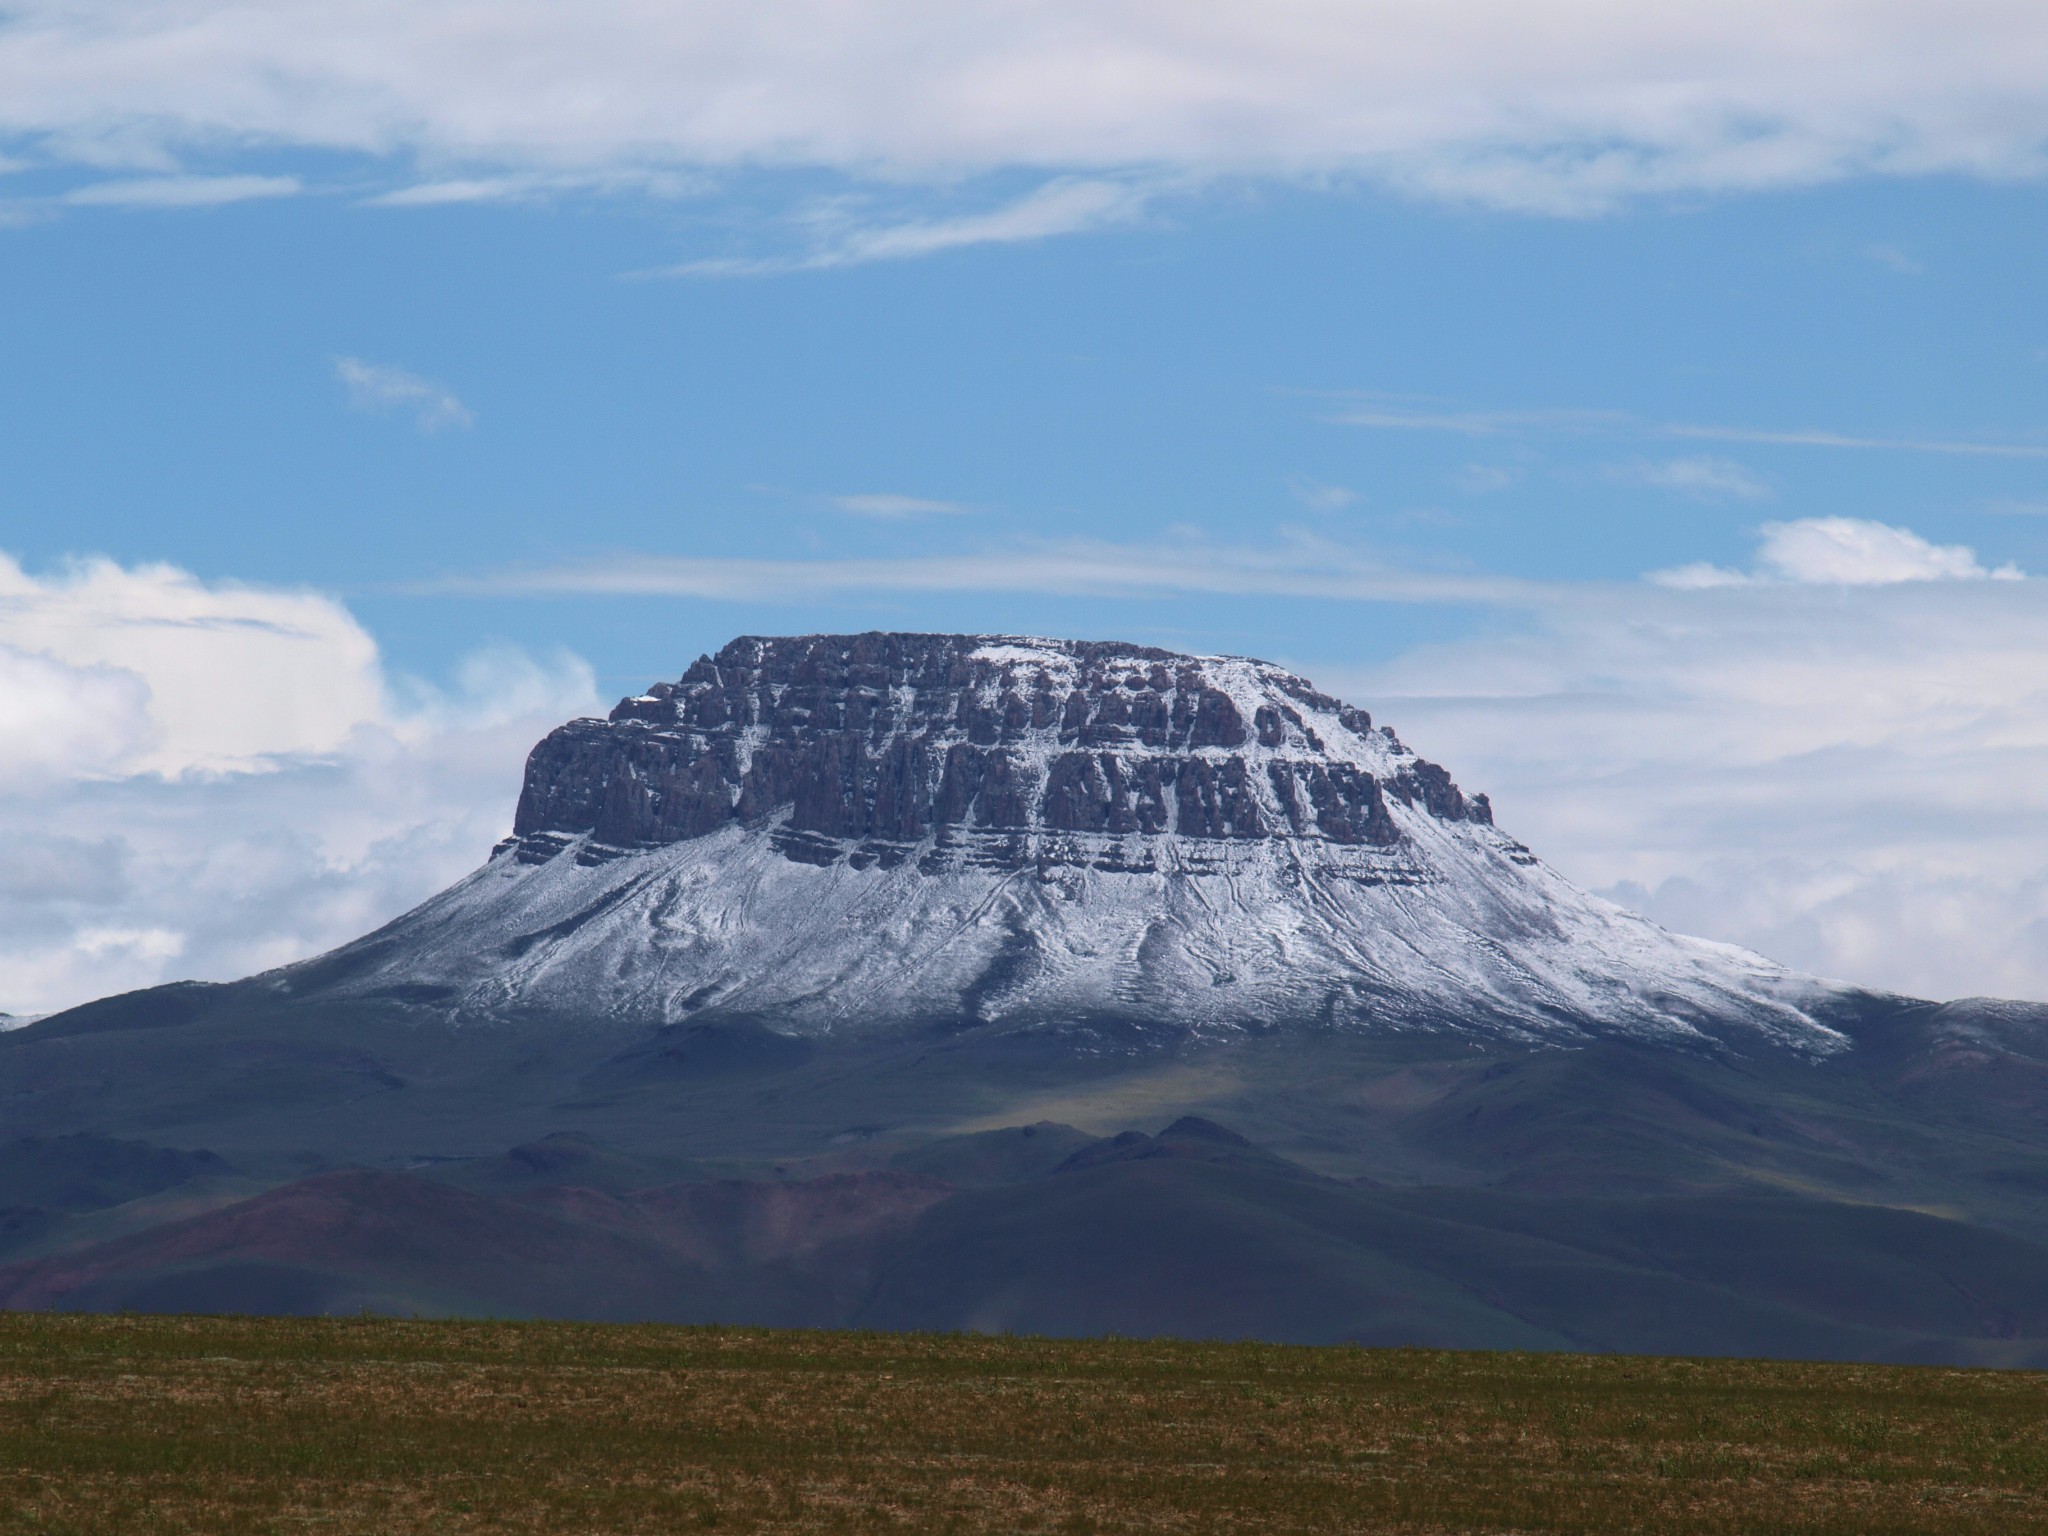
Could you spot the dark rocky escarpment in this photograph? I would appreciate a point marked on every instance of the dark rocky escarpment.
(863, 746)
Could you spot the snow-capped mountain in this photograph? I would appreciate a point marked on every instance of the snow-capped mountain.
(844, 833)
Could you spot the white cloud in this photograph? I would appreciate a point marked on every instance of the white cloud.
(1560, 107)
(1814, 437)
(531, 186)
(1853, 780)
(182, 191)
(57, 719)
(1814, 551)
(1858, 552)
(1485, 479)
(1057, 208)
(1385, 414)
(1887, 255)
(375, 387)
(207, 778)
(1842, 551)
(1389, 416)
(1320, 495)
(110, 670)
(1703, 477)
(1061, 207)
(1300, 565)
(461, 189)
(886, 504)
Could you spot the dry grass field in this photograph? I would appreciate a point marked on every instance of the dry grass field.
(226, 1425)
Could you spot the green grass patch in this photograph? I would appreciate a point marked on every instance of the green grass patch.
(230, 1425)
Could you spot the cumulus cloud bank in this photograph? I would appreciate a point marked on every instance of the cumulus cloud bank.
(1553, 106)
(207, 778)
(1844, 766)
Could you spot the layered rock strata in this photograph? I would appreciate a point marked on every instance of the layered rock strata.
(877, 748)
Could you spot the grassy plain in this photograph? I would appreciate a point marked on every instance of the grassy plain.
(225, 1425)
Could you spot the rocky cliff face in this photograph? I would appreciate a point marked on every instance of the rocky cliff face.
(878, 748)
(832, 833)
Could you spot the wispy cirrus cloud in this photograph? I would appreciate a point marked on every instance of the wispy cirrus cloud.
(1299, 566)
(1703, 477)
(378, 387)
(1891, 256)
(1813, 437)
(894, 507)
(181, 191)
(1817, 551)
(1320, 495)
(461, 189)
(535, 186)
(1389, 416)
(1381, 414)
(1064, 206)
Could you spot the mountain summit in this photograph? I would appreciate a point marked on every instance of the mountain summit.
(848, 832)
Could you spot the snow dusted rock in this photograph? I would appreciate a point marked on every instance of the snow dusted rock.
(877, 748)
(836, 833)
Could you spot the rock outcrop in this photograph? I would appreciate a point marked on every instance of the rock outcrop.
(880, 747)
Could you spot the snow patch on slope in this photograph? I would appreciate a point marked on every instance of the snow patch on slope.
(1216, 939)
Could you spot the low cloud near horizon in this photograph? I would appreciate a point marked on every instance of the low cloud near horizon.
(1839, 758)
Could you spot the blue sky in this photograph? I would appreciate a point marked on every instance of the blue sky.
(1645, 409)
(170, 392)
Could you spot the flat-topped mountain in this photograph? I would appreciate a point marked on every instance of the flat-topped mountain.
(833, 832)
